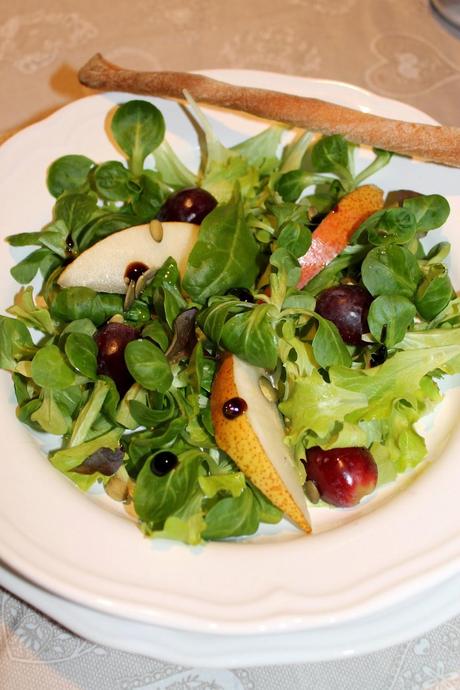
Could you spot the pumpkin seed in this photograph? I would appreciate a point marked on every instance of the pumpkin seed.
(267, 390)
(117, 486)
(143, 281)
(130, 295)
(156, 230)
(311, 491)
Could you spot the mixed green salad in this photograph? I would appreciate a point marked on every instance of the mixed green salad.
(140, 423)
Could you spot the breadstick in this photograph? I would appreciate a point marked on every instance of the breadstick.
(429, 142)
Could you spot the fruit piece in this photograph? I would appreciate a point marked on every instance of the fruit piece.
(335, 231)
(254, 438)
(342, 475)
(111, 341)
(347, 307)
(103, 266)
(189, 205)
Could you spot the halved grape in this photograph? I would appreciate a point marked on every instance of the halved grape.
(187, 206)
(347, 306)
(111, 339)
(342, 475)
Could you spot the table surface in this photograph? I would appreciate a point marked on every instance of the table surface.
(403, 50)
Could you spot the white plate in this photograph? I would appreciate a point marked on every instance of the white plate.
(280, 580)
(396, 624)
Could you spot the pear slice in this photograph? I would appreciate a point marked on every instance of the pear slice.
(254, 439)
(102, 267)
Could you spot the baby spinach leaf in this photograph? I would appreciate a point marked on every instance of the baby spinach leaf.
(138, 313)
(391, 270)
(138, 127)
(438, 253)
(330, 154)
(75, 209)
(212, 320)
(300, 299)
(23, 239)
(26, 410)
(50, 416)
(434, 292)
(79, 326)
(150, 418)
(75, 303)
(389, 318)
(232, 517)
(81, 351)
(430, 211)
(141, 444)
(24, 308)
(88, 414)
(251, 336)
(296, 238)
(293, 183)
(156, 332)
(112, 181)
(50, 369)
(172, 170)
(105, 224)
(68, 174)
(150, 197)
(148, 365)
(156, 498)
(54, 236)
(15, 342)
(389, 226)
(22, 390)
(328, 346)
(26, 270)
(288, 268)
(225, 254)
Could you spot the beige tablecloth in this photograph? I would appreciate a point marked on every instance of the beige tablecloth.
(397, 48)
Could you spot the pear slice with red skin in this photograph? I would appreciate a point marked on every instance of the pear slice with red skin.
(103, 266)
(254, 439)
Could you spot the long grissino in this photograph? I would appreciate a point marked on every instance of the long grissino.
(438, 144)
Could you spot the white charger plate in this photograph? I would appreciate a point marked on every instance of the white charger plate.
(400, 543)
(395, 625)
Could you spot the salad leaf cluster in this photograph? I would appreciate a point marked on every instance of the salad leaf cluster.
(239, 294)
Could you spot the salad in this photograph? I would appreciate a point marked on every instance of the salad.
(222, 347)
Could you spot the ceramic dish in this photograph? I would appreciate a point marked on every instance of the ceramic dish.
(403, 541)
(395, 625)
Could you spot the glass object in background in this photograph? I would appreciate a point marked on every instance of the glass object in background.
(449, 10)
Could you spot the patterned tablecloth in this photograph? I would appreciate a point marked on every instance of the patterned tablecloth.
(395, 48)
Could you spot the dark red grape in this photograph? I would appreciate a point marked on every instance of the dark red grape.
(347, 307)
(188, 206)
(111, 341)
(342, 475)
